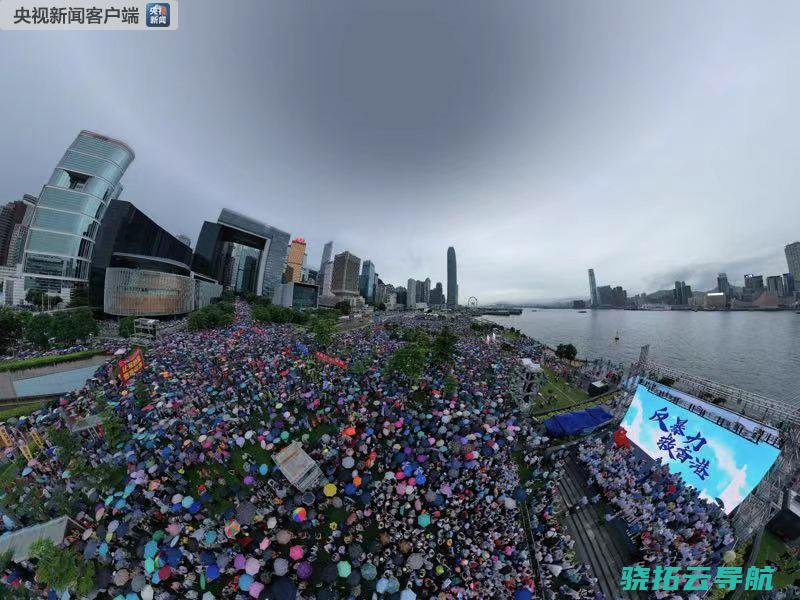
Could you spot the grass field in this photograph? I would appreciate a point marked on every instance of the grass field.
(562, 393)
(44, 361)
(19, 411)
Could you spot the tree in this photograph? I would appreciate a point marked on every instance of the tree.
(57, 568)
(323, 328)
(126, 327)
(38, 330)
(11, 328)
(444, 346)
(381, 306)
(61, 569)
(113, 429)
(343, 306)
(79, 297)
(409, 360)
(566, 351)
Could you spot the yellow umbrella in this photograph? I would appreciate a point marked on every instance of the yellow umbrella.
(329, 490)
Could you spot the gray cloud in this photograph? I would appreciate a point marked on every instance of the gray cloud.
(647, 141)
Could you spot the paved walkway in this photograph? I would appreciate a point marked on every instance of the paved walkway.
(7, 379)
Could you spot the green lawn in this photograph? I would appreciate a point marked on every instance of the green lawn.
(19, 411)
(563, 394)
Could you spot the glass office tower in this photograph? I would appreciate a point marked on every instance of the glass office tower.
(61, 237)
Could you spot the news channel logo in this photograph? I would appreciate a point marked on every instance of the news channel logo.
(131, 15)
(157, 14)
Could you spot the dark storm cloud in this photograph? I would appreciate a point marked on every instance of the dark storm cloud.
(539, 139)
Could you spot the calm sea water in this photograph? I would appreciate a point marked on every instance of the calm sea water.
(759, 352)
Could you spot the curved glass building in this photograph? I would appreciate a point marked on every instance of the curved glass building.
(60, 243)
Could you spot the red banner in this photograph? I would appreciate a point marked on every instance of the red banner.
(330, 360)
(130, 366)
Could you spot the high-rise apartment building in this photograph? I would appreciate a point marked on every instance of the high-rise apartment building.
(60, 241)
(789, 284)
(793, 260)
(452, 278)
(593, 289)
(754, 282)
(437, 295)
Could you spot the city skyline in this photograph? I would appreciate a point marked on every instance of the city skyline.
(608, 167)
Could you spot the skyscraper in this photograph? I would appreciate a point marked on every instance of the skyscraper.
(593, 288)
(437, 295)
(793, 260)
(411, 293)
(344, 281)
(723, 285)
(11, 217)
(182, 237)
(367, 283)
(297, 256)
(70, 209)
(775, 285)
(452, 279)
(327, 255)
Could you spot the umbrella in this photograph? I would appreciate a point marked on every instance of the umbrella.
(407, 595)
(304, 570)
(343, 568)
(382, 585)
(355, 551)
(281, 566)
(393, 586)
(232, 528)
(415, 561)
(284, 537)
(296, 552)
(252, 566)
(284, 589)
(369, 572)
(329, 573)
(299, 514)
(329, 490)
(354, 578)
(121, 577)
(348, 462)
(245, 513)
(424, 520)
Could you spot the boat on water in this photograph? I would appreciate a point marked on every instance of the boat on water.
(581, 311)
(616, 337)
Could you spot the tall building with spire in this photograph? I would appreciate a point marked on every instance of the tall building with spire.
(593, 288)
(452, 278)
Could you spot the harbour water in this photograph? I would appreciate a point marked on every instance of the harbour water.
(756, 351)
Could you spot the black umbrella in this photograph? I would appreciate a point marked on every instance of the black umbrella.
(283, 589)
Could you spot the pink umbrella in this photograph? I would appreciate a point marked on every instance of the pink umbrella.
(296, 552)
(252, 566)
(239, 562)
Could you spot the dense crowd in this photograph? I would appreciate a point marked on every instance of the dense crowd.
(421, 494)
(673, 525)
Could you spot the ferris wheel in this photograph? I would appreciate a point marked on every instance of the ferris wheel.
(472, 302)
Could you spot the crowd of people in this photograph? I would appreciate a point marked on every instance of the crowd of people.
(176, 495)
(562, 574)
(672, 523)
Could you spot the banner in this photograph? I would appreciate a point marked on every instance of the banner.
(37, 438)
(330, 360)
(6, 439)
(26, 452)
(130, 366)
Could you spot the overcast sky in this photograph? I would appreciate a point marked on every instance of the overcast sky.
(651, 141)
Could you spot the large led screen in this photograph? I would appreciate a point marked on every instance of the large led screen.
(714, 460)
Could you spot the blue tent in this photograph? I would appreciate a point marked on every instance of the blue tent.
(578, 422)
